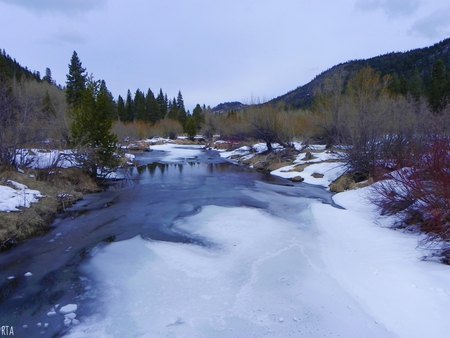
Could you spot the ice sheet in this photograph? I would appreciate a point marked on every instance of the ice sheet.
(258, 276)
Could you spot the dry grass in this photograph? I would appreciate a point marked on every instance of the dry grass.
(61, 189)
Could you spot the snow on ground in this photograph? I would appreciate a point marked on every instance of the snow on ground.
(11, 199)
(330, 171)
(39, 159)
(175, 153)
(382, 269)
(323, 163)
(299, 269)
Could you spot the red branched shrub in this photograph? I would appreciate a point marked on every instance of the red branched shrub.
(420, 195)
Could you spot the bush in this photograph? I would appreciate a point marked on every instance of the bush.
(167, 128)
(420, 195)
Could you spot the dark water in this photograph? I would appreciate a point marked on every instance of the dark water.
(147, 203)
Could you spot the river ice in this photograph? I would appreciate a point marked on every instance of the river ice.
(298, 268)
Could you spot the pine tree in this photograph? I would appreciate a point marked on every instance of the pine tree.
(121, 112)
(152, 107)
(139, 106)
(198, 114)
(76, 81)
(191, 127)
(173, 110)
(91, 130)
(415, 85)
(182, 116)
(180, 101)
(129, 108)
(48, 76)
(163, 104)
(437, 97)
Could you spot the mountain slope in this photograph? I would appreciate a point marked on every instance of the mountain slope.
(400, 64)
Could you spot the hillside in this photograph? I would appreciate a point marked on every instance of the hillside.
(11, 68)
(400, 64)
(227, 107)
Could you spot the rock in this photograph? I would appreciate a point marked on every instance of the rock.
(308, 156)
(51, 314)
(28, 274)
(75, 322)
(297, 179)
(67, 322)
(68, 309)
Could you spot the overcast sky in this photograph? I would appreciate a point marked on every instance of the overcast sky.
(213, 51)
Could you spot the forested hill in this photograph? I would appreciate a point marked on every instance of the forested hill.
(405, 67)
(10, 68)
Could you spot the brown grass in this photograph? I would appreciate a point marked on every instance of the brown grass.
(29, 222)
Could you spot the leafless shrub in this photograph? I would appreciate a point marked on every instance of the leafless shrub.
(420, 195)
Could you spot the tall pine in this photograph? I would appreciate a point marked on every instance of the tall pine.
(152, 107)
(76, 81)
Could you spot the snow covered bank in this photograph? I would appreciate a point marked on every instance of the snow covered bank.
(382, 269)
(322, 168)
(20, 196)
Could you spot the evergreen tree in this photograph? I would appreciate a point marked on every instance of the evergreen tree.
(191, 127)
(198, 114)
(129, 108)
(437, 97)
(415, 85)
(112, 104)
(139, 106)
(91, 130)
(152, 107)
(76, 81)
(182, 116)
(121, 112)
(163, 104)
(180, 101)
(173, 111)
(48, 76)
(4, 70)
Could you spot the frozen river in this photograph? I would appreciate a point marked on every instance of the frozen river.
(189, 246)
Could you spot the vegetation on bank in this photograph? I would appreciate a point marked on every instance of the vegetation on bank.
(61, 189)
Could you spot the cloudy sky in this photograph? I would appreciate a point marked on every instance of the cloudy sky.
(213, 51)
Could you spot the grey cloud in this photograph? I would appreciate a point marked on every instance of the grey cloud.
(68, 7)
(434, 25)
(392, 8)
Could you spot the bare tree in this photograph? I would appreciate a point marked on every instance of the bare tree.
(271, 125)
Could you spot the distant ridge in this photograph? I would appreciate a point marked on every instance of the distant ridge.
(227, 107)
(401, 64)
